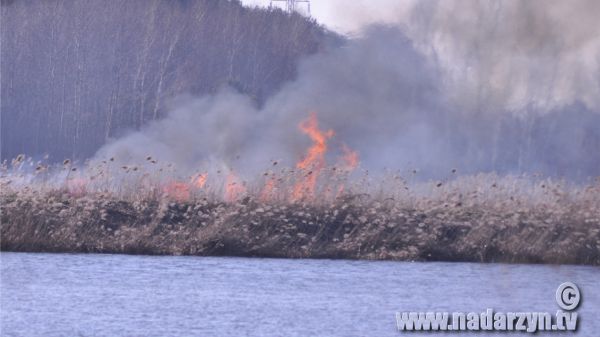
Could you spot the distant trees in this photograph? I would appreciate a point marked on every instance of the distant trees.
(75, 73)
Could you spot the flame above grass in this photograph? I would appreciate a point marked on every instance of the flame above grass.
(200, 180)
(314, 160)
(234, 188)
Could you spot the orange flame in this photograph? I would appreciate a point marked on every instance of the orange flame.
(233, 188)
(267, 192)
(200, 180)
(177, 190)
(349, 158)
(348, 162)
(314, 161)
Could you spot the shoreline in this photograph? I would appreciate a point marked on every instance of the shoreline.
(344, 229)
(302, 258)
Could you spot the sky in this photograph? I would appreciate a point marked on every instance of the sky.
(350, 16)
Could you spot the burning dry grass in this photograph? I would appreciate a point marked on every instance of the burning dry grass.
(313, 210)
(481, 218)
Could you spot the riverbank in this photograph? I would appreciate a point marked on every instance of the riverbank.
(350, 227)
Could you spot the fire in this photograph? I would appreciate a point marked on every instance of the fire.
(77, 186)
(267, 192)
(309, 171)
(177, 190)
(200, 180)
(314, 161)
(233, 188)
(349, 158)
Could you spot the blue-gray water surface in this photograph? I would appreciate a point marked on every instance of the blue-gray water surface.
(119, 295)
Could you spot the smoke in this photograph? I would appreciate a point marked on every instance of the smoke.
(514, 54)
(508, 86)
(197, 133)
(509, 53)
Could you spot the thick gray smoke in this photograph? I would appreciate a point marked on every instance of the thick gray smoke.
(513, 54)
(514, 95)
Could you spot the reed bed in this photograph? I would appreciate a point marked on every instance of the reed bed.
(153, 209)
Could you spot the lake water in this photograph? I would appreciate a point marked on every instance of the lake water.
(118, 295)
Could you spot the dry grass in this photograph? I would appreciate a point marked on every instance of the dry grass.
(483, 218)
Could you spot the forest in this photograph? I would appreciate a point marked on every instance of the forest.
(78, 73)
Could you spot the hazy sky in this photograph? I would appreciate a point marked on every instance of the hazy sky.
(348, 16)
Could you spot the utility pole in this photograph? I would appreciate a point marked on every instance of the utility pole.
(292, 5)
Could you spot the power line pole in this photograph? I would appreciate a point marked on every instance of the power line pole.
(292, 5)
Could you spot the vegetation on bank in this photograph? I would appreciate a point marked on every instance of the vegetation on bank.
(482, 218)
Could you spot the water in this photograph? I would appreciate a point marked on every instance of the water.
(118, 295)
